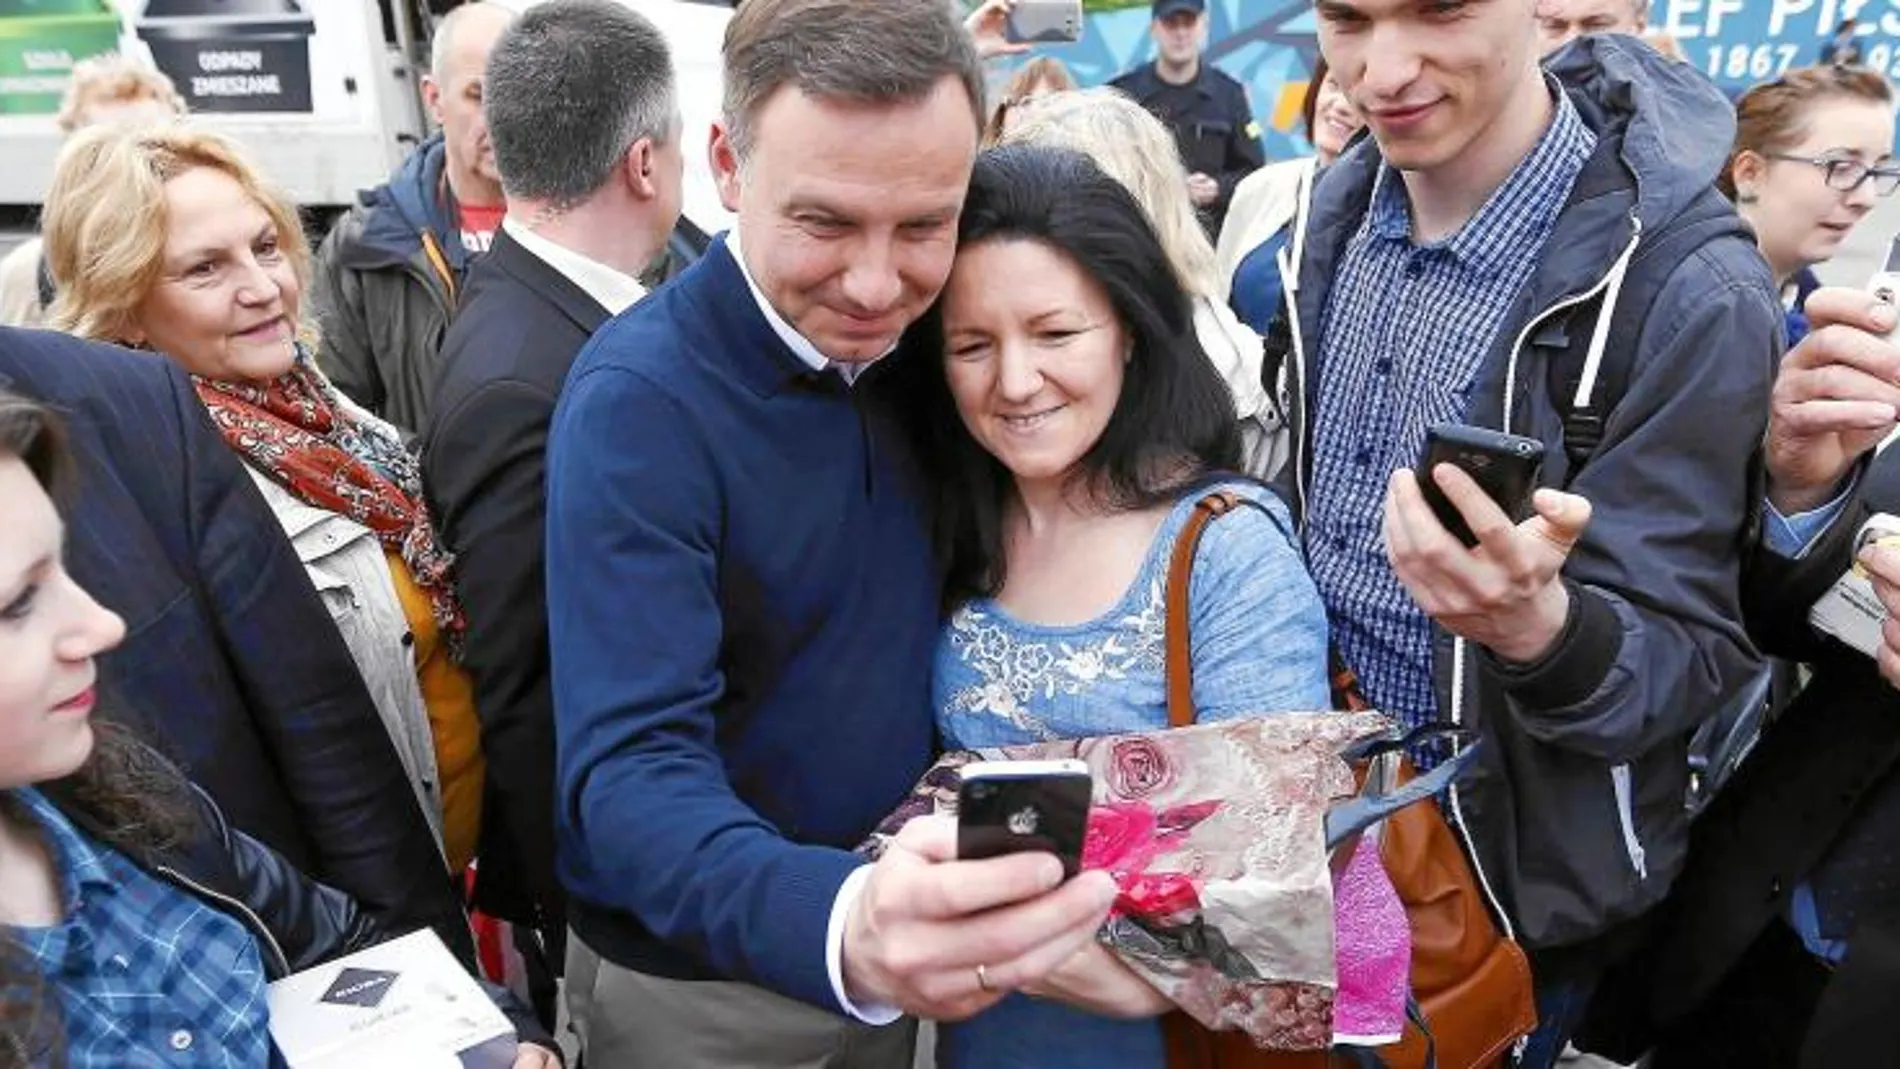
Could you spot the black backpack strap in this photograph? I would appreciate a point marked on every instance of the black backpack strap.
(1275, 346)
(1657, 256)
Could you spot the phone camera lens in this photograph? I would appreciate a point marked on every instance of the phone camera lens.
(1523, 449)
(981, 792)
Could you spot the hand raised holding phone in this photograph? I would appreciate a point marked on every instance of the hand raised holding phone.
(1014, 807)
(988, 26)
(1836, 397)
(1504, 589)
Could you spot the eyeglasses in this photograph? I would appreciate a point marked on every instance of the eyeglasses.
(1847, 175)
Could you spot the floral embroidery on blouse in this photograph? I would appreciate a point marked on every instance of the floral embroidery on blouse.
(1015, 671)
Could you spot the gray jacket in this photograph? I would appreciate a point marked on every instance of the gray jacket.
(385, 287)
(1574, 814)
(350, 571)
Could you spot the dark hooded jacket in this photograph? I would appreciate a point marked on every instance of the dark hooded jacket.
(1574, 813)
(385, 288)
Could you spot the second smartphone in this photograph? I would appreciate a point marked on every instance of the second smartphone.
(1505, 466)
(1044, 22)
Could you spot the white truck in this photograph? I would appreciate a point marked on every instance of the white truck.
(324, 93)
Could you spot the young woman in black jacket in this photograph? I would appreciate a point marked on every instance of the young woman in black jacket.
(133, 920)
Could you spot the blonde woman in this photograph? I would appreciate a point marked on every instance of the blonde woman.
(103, 89)
(1135, 149)
(168, 239)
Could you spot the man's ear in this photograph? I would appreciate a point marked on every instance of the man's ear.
(432, 98)
(724, 158)
(637, 166)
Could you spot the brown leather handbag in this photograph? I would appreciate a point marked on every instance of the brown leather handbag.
(1471, 983)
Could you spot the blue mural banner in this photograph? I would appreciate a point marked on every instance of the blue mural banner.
(1270, 47)
(1267, 44)
(1739, 43)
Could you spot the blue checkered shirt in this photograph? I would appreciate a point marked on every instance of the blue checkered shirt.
(1405, 330)
(147, 975)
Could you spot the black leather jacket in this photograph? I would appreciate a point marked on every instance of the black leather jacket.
(298, 922)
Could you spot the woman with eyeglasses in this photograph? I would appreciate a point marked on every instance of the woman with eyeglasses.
(1040, 77)
(1813, 152)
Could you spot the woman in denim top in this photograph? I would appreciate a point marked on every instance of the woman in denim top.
(1069, 420)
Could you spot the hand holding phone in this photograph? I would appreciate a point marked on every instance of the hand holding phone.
(941, 937)
(1505, 467)
(1509, 596)
(1010, 807)
(1836, 394)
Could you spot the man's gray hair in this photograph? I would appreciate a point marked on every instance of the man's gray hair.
(861, 51)
(571, 86)
(443, 37)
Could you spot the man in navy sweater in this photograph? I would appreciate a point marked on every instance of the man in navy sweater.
(742, 602)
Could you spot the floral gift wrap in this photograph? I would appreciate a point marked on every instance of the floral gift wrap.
(1215, 835)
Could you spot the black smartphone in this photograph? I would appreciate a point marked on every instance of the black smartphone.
(1504, 466)
(1011, 807)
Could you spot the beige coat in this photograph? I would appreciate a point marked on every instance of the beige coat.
(20, 286)
(1235, 351)
(1264, 203)
(350, 569)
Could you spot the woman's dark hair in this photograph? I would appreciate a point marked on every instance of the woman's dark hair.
(1309, 107)
(1174, 421)
(134, 800)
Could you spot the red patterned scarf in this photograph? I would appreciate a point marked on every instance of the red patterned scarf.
(302, 435)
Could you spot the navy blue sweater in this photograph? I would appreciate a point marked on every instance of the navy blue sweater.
(742, 610)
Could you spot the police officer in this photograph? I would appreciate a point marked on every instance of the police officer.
(1206, 109)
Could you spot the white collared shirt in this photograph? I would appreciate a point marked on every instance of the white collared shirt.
(612, 289)
(800, 345)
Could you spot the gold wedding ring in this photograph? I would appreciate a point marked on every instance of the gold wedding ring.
(983, 978)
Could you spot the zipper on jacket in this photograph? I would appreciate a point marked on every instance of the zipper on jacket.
(1458, 822)
(257, 926)
(1626, 817)
(1457, 809)
(1289, 285)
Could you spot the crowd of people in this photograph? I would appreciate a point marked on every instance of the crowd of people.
(482, 563)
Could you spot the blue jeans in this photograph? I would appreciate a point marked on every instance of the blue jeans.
(1565, 980)
(1560, 1007)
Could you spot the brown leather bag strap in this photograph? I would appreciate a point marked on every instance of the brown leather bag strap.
(1180, 653)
